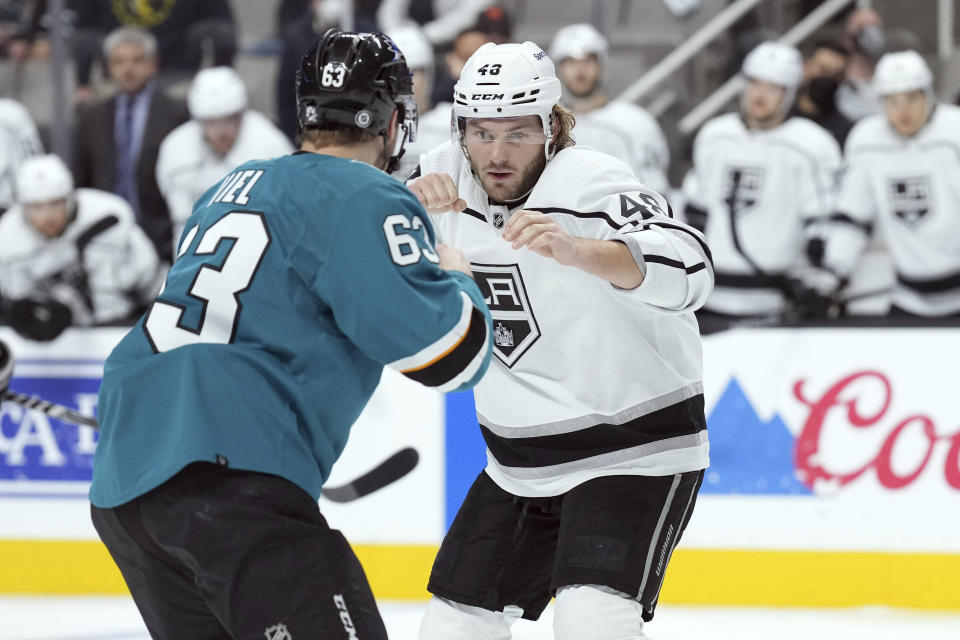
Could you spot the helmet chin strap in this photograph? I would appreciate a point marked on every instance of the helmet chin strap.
(394, 160)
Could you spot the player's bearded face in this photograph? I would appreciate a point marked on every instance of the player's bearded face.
(580, 75)
(222, 133)
(49, 218)
(907, 112)
(506, 154)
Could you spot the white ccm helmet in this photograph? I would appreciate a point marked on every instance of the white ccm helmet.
(414, 46)
(904, 71)
(216, 93)
(901, 72)
(43, 179)
(507, 81)
(578, 41)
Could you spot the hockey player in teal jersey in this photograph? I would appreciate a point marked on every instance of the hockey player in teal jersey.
(296, 281)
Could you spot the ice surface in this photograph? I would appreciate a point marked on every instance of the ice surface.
(116, 618)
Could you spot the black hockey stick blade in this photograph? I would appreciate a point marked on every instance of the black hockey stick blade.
(387, 472)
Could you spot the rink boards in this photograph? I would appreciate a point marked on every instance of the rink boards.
(835, 475)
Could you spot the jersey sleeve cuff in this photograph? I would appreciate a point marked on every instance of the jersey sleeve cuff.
(634, 246)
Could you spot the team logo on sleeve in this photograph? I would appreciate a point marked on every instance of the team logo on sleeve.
(910, 199)
(743, 188)
(515, 328)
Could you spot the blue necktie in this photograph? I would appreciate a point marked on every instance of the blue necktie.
(126, 185)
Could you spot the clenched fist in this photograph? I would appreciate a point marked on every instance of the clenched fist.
(437, 193)
(541, 234)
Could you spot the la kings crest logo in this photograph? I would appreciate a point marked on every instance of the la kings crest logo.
(743, 187)
(515, 327)
(910, 199)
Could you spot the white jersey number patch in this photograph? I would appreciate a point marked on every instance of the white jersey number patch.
(217, 287)
(404, 248)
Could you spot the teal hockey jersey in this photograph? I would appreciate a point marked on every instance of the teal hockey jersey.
(296, 280)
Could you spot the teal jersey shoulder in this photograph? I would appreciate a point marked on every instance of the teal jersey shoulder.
(296, 280)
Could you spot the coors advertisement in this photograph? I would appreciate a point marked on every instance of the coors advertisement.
(832, 439)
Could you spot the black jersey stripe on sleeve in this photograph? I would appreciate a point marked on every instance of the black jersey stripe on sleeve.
(597, 215)
(449, 365)
(674, 226)
(680, 419)
(935, 285)
(696, 217)
(670, 262)
(750, 280)
(676, 264)
(96, 229)
(842, 218)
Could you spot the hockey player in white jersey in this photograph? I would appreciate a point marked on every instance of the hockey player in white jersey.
(222, 135)
(902, 178)
(18, 141)
(592, 411)
(622, 129)
(70, 257)
(758, 178)
(433, 127)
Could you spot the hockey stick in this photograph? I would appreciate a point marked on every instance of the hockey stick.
(387, 472)
(57, 411)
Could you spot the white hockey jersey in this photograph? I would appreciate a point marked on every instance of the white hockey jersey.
(433, 129)
(102, 266)
(628, 132)
(18, 140)
(187, 166)
(758, 190)
(589, 380)
(909, 189)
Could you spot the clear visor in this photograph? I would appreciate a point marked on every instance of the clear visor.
(478, 131)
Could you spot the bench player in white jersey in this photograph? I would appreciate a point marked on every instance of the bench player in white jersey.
(758, 178)
(18, 141)
(592, 410)
(433, 126)
(70, 257)
(222, 135)
(622, 129)
(902, 178)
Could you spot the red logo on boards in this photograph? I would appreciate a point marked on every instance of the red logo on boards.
(856, 411)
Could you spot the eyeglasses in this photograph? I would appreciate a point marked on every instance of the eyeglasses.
(518, 136)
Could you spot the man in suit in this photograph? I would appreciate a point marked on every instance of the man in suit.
(117, 140)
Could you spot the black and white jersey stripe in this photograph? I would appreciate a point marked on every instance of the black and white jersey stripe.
(455, 357)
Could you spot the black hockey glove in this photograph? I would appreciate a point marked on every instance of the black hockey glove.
(40, 320)
(813, 293)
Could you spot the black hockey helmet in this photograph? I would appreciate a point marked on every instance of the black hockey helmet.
(356, 79)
